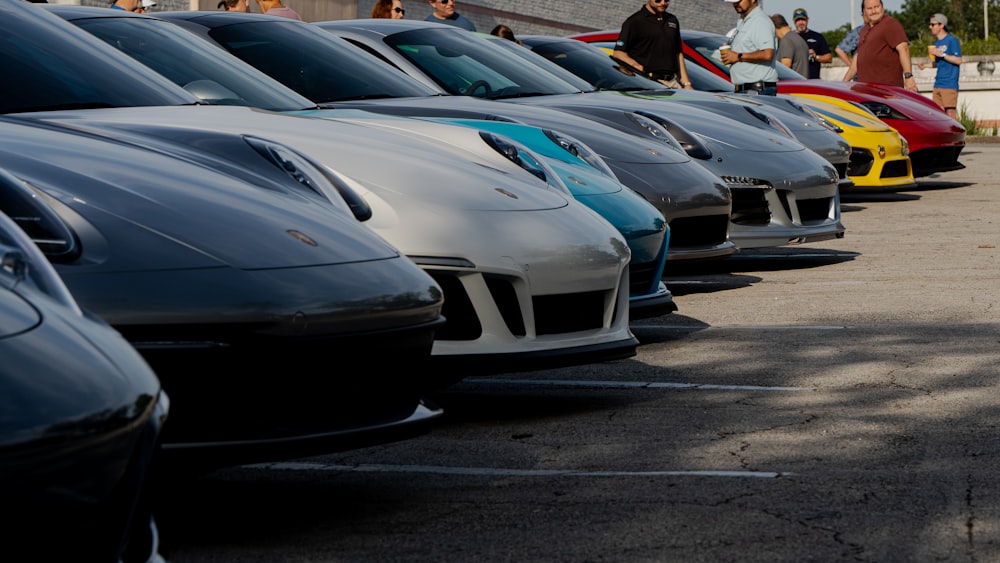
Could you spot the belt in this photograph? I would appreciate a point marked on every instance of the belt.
(758, 86)
(661, 75)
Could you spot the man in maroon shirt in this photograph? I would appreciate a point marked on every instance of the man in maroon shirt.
(883, 53)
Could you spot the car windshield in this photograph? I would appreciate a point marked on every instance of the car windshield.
(465, 64)
(315, 63)
(196, 65)
(591, 64)
(50, 65)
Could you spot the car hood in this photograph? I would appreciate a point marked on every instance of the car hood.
(725, 131)
(386, 162)
(608, 142)
(193, 215)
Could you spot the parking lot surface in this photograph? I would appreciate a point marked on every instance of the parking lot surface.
(823, 402)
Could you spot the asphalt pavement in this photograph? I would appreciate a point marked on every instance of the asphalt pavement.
(836, 401)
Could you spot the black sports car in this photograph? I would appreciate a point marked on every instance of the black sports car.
(81, 414)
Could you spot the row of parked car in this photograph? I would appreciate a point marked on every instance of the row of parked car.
(230, 238)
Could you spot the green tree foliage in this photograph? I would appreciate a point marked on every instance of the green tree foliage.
(835, 36)
(965, 19)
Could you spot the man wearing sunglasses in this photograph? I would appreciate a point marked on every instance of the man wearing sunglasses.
(650, 42)
(444, 12)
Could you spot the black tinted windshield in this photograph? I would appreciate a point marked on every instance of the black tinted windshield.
(201, 68)
(48, 64)
(314, 63)
(591, 64)
(466, 64)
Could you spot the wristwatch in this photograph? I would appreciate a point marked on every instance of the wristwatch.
(685, 83)
(907, 75)
(739, 57)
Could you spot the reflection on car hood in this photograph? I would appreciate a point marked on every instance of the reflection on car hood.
(383, 161)
(193, 216)
(729, 132)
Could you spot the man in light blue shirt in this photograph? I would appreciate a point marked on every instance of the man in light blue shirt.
(444, 12)
(751, 56)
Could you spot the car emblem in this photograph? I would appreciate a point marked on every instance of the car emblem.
(881, 151)
(578, 181)
(511, 195)
(301, 237)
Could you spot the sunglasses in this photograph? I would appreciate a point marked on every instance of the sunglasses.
(444, 1)
(399, 11)
(661, 1)
(932, 24)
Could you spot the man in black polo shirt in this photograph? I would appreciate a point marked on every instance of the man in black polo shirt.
(650, 41)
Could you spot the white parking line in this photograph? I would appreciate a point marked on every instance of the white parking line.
(740, 327)
(498, 472)
(630, 384)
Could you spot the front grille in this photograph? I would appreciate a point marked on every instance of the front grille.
(573, 312)
(940, 159)
(842, 169)
(505, 299)
(699, 232)
(750, 207)
(895, 169)
(814, 210)
(861, 162)
(461, 321)
(641, 276)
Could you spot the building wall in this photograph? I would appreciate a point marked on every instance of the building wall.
(530, 17)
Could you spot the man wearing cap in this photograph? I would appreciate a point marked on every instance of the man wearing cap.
(752, 47)
(819, 51)
(883, 51)
(947, 52)
(650, 41)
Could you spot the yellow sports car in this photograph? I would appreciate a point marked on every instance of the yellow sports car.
(879, 154)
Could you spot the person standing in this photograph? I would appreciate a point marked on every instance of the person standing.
(650, 41)
(235, 5)
(388, 9)
(444, 12)
(948, 59)
(819, 51)
(883, 52)
(793, 51)
(849, 44)
(751, 53)
(128, 6)
(277, 8)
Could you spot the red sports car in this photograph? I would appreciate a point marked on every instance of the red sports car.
(935, 139)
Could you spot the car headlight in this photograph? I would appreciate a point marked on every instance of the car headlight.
(581, 150)
(821, 119)
(524, 158)
(314, 177)
(772, 121)
(22, 259)
(904, 146)
(654, 129)
(689, 143)
(883, 110)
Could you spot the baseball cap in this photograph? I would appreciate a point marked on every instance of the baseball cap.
(800, 14)
(941, 19)
(731, 1)
(148, 3)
